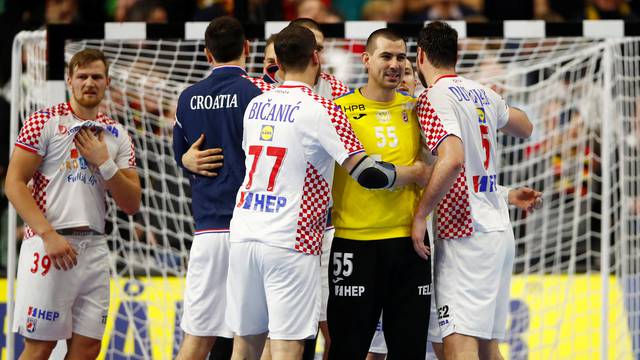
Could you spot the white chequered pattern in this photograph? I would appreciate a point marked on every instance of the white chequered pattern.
(454, 210)
(259, 83)
(39, 192)
(340, 122)
(338, 88)
(312, 218)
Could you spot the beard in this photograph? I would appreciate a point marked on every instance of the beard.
(423, 81)
(88, 102)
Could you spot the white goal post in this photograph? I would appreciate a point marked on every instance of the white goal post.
(576, 285)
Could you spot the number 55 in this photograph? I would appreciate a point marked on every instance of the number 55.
(342, 263)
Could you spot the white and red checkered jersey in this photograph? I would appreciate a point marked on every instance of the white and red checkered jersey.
(69, 191)
(473, 112)
(330, 87)
(292, 139)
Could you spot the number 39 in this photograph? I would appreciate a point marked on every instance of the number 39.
(45, 263)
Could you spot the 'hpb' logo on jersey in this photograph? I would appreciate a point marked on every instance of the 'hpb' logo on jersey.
(266, 133)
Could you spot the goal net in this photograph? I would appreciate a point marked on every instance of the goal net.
(575, 291)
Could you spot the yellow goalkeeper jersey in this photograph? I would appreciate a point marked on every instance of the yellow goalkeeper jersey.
(390, 132)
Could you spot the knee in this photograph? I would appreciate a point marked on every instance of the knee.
(38, 349)
(89, 351)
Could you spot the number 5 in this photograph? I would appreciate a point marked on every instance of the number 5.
(486, 144)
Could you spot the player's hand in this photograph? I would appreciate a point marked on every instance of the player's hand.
(525, 199)
(62, 254)
(202, 162)
(92, 147)
(418, 231)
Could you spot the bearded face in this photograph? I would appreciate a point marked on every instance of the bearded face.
(89, 83)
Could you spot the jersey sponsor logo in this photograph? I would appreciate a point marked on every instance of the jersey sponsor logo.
(354, 107)
(477, 96)
(31, 324)
(383, 116)
(77, 162)
(269, 111)
(208, 102)
(349, 290)
(42, 314)
(359, 116)
(482, 119)
(261, 202)
(424, 290)
(266, 133)
(95, 127)
(485, 183)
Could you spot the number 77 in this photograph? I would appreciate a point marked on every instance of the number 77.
(278, 152)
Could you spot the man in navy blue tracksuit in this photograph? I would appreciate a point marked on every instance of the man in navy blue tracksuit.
(209, 116)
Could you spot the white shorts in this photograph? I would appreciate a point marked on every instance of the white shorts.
(54, 304)
(327, 239)
(271, 289)
(434, 335)
(378, 344)
(472, 283)
(205, 294)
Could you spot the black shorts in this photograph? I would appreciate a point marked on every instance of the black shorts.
(367, 277)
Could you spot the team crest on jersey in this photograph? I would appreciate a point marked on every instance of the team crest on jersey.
(481, 115)
(405, 116)
(62, 129)
(266, 133)
(31, 324)
(383, 116)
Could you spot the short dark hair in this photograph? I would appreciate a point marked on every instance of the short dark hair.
(270, 40)
(294, 47)
(224, 38)
(307, 23)
(439, 41)
(382, 33)
(85, 57)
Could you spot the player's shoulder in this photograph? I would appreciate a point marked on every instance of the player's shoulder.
(45, 114)
(259, 83)
(316, 99)
(346, 97)
(338, 88)
(405, 97)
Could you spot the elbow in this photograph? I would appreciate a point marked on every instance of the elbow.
(528, 130)
(456, 164)
(133, 206)
(9, 188)
(131, 209)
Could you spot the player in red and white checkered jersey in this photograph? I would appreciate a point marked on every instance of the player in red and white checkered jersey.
(72, 154)
(292, 138)
(327, 86)
(474, 240)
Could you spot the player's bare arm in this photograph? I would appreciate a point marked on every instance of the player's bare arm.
(445, 171)
(202, 162)
(22, 167)
(518, 124)
(373, 174)
(525, 199)
(123, 184)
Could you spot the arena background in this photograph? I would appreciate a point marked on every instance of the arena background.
(562, 304)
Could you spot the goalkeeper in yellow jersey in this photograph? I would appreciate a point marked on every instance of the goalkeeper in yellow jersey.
(373, 265)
